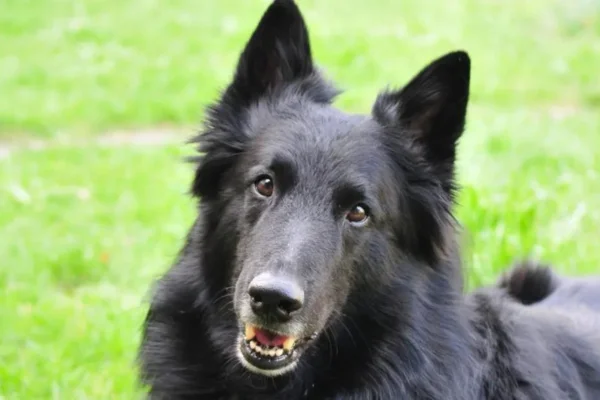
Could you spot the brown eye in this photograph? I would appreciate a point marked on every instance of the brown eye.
(264, 186)
(358, 214)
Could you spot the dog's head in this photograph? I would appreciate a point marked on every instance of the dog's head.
(316, 204)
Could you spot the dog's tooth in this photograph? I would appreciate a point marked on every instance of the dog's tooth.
(272, 352)
(249, 332)
(258, 349)
(279, 352)
(289, 343)
(252, 344)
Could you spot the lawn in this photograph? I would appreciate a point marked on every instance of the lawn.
(92, 210)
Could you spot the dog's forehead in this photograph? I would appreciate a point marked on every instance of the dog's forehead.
(311, 131)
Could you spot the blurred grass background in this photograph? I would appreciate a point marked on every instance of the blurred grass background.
(97, 98)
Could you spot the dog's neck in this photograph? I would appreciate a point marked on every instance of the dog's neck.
(419, 343)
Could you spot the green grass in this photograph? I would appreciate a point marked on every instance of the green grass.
(87, 227)
(88, 66)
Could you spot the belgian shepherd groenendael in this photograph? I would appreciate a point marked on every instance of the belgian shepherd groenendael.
(323, 262)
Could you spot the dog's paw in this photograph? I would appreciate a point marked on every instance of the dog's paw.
(529, 282)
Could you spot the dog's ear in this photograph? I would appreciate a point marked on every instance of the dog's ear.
(278, 52)
(430, 111)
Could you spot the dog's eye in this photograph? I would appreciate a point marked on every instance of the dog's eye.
(358, 214)
(264, 186)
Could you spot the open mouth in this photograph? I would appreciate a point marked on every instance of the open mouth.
(268, 352)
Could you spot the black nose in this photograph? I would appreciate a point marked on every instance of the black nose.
(275, 296)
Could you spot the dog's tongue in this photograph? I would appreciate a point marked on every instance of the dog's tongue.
(269, 339)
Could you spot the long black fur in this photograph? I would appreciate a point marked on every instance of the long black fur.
(529, 282)
(534, 283)
(386, 298)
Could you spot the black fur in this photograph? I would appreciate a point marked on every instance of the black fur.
(533, 283)
(529, 282)
(383, 297)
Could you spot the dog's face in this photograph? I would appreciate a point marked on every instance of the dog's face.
(312, 201)
(315, 192)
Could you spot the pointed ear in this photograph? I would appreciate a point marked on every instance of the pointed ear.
(431, 110)
(278, 52)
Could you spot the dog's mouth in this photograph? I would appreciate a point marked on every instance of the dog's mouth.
(269, 353)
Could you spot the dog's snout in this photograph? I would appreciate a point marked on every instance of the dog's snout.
(275, 296)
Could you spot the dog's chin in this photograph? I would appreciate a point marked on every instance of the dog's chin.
(268, 353)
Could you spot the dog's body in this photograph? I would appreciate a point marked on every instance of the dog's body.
(323, 262)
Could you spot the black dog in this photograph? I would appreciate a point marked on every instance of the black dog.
(324, 263)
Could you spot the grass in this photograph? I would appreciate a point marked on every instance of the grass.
(89, 66)
(86, 227)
